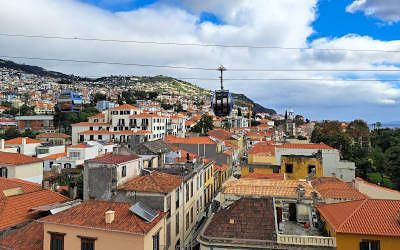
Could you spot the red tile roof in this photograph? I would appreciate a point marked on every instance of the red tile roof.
(55, 156)
(156, 182)
(15, 159)
(16, 209)
(124, 107)
(29, 237)
(113, 158)
(91, 214)
(266, 148)
(332, 187)
(305, 146)
(18, 141)
(9, 183)
(81, 145)
(189, 140)
(98, 115)
(274, 176)
(53, 135)
(91, 124)
(220, 134)
(365, 217)
(244, 219)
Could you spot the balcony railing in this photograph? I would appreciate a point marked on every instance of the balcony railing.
(306, 240)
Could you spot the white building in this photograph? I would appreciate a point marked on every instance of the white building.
(332, 165)
(15, 165)
(77, 154)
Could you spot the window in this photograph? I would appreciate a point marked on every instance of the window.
(168, 206)
(156, 241)
(90, 128)
(187, 220)
(177, 199)
(311, 169)
(177, 223)
(87, 243)
(289, 168)
(370, 245)
(191, 189)
(3, 172)
(75, 155)
(91, 137)
(100, 137)
(81, 138)
(123, 171)
(168, 236)
(56, 241)
(191, 215)
(187, 192)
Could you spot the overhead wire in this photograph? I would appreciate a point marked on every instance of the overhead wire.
(174, 43)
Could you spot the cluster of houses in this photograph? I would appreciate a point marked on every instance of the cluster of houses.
(148, 183)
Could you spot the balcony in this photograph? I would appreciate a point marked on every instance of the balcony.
(306, 240)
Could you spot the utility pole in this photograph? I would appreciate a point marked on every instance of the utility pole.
(221, 70)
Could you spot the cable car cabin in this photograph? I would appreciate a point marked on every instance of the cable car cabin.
(222, 103)
(69, 102)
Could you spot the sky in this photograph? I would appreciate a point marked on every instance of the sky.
(316, 24)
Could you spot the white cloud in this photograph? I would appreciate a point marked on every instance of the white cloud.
(281, 23)
(387, 10)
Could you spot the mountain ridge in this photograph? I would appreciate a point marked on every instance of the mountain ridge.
(179, 85)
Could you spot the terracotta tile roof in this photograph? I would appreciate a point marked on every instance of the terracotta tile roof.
(220, 134)
(29, 237)
(147, 115)
(189, 140)
(91, 214)
(55, 156)
(365, 217)
(332, 187)
(156, 182)
(244, 219)
(358, 179)
(266, 148)
(305, 146)
(81, 145)
(220, 168)
(124, 107)
(15, 159)
(10, 183)
(98, 115)
(16, 209)
(91, 124)
(275, 176)
(18, 141)
(266, 188)
(53, 135)
(113, 158)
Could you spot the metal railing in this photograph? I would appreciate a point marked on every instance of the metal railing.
(306, 240)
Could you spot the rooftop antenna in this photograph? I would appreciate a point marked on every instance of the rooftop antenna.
(221, 70)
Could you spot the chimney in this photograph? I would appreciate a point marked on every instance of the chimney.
(109, 216)
(23, 140)
(2, 142)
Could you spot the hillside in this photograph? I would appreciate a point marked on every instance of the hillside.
(160, 84)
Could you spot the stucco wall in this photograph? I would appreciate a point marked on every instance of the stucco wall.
(352, 241)
(106, 240)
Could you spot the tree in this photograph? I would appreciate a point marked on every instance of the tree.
(358, 130)
(393, 164)
(204, 125)
(10, 134)
(98, 97)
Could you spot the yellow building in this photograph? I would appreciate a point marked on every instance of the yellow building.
(103, 225)
(363, 224)
(261, 160)
(301, 166)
